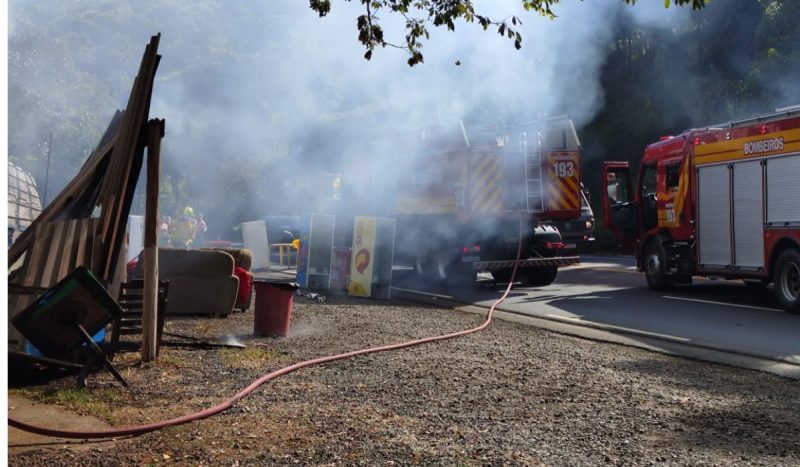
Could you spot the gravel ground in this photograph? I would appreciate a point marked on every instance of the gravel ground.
(509, 395)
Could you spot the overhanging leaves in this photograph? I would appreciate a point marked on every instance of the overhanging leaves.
(443, 13)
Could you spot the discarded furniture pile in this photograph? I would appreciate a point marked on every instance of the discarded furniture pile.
(85, 225)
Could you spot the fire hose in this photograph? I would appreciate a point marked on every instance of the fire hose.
(225, 405)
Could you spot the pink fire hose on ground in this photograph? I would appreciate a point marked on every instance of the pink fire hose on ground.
(142, 429)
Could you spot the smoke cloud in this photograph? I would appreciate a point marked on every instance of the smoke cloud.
(281, 98)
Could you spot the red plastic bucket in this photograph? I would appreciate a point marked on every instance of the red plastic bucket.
(273, 310)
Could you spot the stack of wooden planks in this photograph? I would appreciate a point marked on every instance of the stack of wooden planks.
(86, 223)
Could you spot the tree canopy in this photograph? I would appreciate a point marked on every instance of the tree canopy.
(420, 14)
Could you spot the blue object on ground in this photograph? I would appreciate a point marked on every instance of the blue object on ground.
(31, 350)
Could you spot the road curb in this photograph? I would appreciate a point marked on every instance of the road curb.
(601, 333)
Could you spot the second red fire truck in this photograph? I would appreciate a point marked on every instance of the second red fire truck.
(717, 201)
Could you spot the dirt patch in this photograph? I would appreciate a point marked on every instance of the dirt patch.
(51, 416)
(511, 395)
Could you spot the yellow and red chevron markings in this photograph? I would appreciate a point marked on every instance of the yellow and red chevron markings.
(486, 189)
(563, 190)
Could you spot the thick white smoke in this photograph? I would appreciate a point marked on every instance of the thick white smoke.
(271, 88)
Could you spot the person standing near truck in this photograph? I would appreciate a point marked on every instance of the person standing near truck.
(183, 229)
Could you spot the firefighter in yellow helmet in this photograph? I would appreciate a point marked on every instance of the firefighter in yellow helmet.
(183, 229)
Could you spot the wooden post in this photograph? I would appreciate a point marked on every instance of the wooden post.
(155, 131)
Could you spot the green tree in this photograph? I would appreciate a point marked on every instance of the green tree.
(420, 14)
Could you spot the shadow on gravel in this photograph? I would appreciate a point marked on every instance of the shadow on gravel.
(23, 374)
(752, 429)
(719, 408)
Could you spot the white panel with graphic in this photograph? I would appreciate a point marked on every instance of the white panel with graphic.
(254, 235)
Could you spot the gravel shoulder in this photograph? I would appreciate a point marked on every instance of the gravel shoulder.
(509, 395)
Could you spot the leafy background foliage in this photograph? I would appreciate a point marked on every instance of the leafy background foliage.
(262, 99)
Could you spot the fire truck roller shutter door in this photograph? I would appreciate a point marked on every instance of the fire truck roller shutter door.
(713, 214)
(748, 230)
(783, 190)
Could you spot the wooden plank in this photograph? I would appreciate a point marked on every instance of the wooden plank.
(119, 274)
(55, 255)
(27, 277)
(58, 248)
(97, 251)
(150, 311)
(33, 273)
(67, 262)
(86, 236)
(127, 170)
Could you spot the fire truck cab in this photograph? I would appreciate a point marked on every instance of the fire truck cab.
(717, 201)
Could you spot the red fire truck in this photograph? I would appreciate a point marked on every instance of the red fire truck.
(719, 201)
(458, 193)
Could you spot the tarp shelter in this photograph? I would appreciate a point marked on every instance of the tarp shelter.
(24, 204)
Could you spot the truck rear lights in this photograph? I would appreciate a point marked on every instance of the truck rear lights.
(475, 248)
(555, 245)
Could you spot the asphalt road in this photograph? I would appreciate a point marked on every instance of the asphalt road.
(607, 293)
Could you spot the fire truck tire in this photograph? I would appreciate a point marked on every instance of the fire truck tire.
(436, 266)
(429, 261)
(538, 277)
(655, 266)
(420, 264)
(787, 280)
(502, 275)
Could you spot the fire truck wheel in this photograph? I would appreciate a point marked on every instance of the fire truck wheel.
(502, 275)
(655, 266)
(420, 263)
(787, 280)
(439, 266)
(538, 277)
(435, 264)
(428, 261)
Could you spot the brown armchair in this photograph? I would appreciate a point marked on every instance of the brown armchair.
(201, 282)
